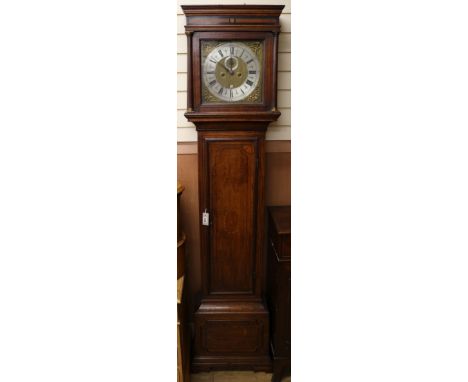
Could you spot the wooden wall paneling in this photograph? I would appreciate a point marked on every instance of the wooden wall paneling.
(181, 82)
(284, 99)
(181, 62)
(284, 82)
(278, 179)
(284, 42)
(278, 133)
(284, 62)
(186, 134)
(187, 173)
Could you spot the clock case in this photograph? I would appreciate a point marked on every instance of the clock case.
(232, 321)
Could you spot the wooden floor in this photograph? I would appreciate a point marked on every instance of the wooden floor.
(233, 376)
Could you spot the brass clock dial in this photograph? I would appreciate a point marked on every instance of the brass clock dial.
(231, 72)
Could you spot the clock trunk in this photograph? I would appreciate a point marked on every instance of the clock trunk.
(232, 322)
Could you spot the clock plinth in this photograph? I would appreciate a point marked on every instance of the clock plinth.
(232, 71)
(231, 335)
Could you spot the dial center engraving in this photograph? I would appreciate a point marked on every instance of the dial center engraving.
(234, 78)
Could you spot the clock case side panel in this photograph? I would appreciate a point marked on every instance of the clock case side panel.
(257, 139)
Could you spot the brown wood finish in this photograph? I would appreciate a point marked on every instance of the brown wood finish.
(181, 256)
(277, 192)
(183, 333)
(271, 147)
(189, 215)
(279, 288)
(278, 179)
(234, 22)
(183, 330)
(252, 234)
(180, 189)
(180, 236)
(189, 71)
(232, 321)
(232, 169)
(231, 335)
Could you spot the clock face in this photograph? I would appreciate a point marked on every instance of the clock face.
(231, 72)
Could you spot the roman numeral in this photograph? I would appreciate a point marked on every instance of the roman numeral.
(220, 91)
(232, 51)
(212, 60)
(230, 93)
(212, 82)
(210, 72)
(252, 71)
(242, 91)
(242, 52)
(220, 53)
(248, 62)
(248, 82)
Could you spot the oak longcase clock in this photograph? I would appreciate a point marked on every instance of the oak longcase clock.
(232, 75)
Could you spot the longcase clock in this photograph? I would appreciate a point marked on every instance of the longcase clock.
(232, 76)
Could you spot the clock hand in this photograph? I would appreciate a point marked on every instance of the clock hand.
(226, 61)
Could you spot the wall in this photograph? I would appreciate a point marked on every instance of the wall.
(278, 145)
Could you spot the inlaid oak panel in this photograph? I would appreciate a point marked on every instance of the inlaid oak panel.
(223, 336)
(232, 195)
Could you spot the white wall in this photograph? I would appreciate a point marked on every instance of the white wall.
(279, 130)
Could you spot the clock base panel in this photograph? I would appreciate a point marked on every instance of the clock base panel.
(231, 336)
